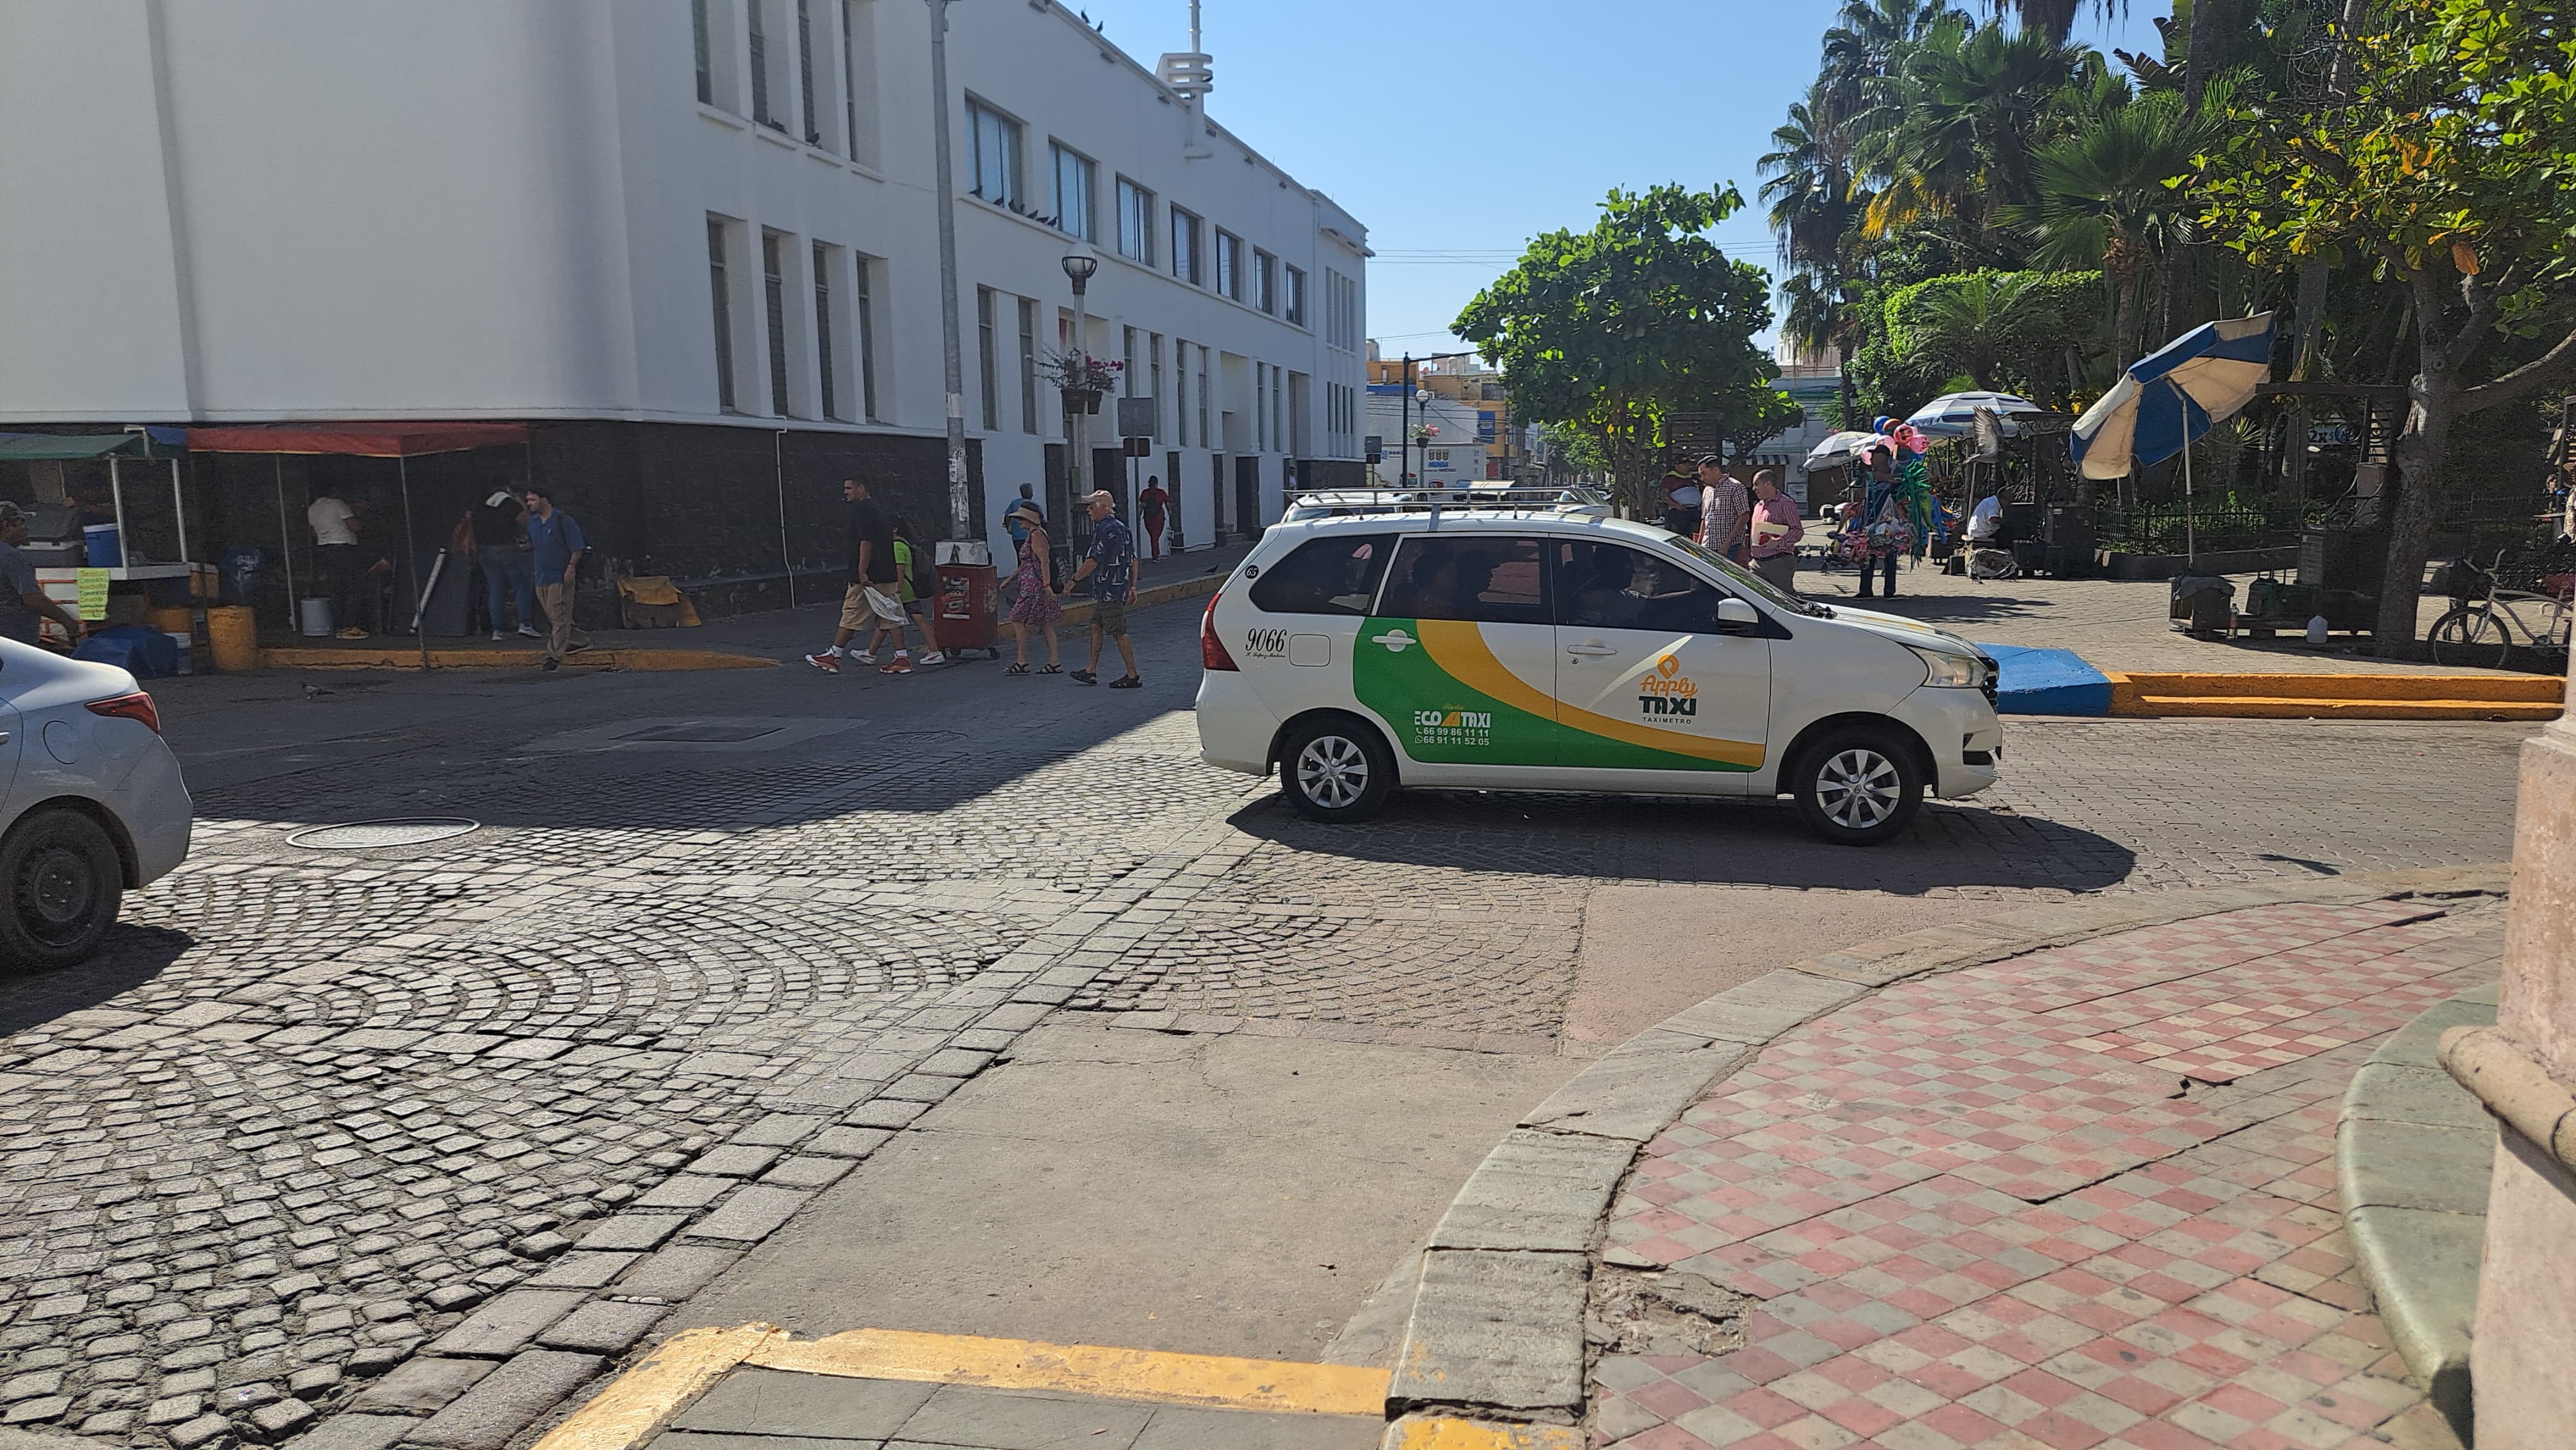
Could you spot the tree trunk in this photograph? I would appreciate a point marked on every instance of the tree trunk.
(2164, 275)
(2310, 309)
(1851, 398)
(2419, 454)
(2124, 322)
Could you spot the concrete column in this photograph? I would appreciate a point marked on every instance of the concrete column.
(2526, 1323)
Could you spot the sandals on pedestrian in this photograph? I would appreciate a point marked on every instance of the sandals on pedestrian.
(1051, 669)
(1018, 669)
(1127, 682)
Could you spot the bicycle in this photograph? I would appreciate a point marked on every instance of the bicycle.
(2481, 632)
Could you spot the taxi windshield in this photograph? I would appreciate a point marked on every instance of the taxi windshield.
(1745, 580)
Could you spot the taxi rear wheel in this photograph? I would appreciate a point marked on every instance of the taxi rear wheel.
(1858, 786)
(1335, 769)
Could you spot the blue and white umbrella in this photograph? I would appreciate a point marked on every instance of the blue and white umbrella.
(1954, 415)
(2172, 396)
(1842, 448)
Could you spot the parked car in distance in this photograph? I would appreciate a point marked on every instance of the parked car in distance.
(91, 803)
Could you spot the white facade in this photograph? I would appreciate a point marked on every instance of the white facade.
(1452, 455)
(285, 210)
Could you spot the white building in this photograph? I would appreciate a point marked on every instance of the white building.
(1452, 453)
(693, 244)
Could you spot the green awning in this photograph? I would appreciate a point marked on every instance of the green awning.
(52, 447)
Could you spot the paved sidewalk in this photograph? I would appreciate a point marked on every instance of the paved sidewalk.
(2083, 1197)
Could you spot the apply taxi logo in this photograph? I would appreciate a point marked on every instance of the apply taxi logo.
(1667, 691)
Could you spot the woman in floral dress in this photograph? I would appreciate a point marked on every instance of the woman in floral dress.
(1036, 607)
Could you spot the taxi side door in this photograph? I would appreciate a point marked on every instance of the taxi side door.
(1459, 662)
(1655, 692)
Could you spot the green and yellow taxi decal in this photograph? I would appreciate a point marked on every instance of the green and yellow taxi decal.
(1439, 688)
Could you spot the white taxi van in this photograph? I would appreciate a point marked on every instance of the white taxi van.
(1537, 643)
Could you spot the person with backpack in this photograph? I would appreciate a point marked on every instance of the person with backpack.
(920, 592)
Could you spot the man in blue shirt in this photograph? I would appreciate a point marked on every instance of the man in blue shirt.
(1108, 572)
(555, 547)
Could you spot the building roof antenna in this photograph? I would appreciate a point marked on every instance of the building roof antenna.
(1190, 74)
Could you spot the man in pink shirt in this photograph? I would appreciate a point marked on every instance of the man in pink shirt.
(1776, 532)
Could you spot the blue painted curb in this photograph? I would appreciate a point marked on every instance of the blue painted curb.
(2047, 682)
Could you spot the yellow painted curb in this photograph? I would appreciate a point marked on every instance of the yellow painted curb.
(2336, 697)
(1079, 611)
(1479, 1435)
(1218, 1381)
(291, 658)
(643, 1399)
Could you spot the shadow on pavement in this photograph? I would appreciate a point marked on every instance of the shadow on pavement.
(131, 956)
(1699, 842)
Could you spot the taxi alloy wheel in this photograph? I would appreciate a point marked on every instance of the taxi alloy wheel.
(1859, 787)
(1335, 770)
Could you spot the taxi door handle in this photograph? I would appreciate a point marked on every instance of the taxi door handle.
(1592, 648)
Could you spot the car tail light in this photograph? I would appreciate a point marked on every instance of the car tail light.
(137, 706)
(1212, 653)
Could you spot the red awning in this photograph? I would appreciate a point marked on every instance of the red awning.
(360, 440)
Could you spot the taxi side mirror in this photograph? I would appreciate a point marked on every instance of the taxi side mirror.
(1734, 616)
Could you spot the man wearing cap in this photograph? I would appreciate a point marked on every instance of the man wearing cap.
(1109, 572)
(23, 602)
(873, 601)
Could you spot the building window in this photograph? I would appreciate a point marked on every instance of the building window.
(706, 51)
(805, 70)
(1154, 379)
(863, 314)
(722, 293)
(1341, 311)
(1229, 264)
(1180, 395)
(984, 353)
(1029, 420)
(1205, 441)
(997, 154)
(1261, 407)
(1135, 222)
(759, 14)
(1129, 375)
(1073, 177)
(1296, 298)
(773, 275)
(1185, 247)
(829, 392)
(858, 36)
(1265, 281)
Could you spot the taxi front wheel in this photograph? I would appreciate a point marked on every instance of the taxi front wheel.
(1335, 769)
(1858, 786)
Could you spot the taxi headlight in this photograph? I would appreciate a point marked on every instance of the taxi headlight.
(1946, 671)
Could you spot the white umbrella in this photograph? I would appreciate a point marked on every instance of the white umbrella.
(1954, 415)
(1842, 448)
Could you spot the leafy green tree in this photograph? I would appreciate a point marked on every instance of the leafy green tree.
(1612, 329)
(2112, 195)
(1952, 137)
(2055, 19)
(2449, 166)
(2022, 332)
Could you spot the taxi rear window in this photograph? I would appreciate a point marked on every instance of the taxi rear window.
(1336, 574)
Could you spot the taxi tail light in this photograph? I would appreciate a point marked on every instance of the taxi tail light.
(1212, 653)
(137, 706)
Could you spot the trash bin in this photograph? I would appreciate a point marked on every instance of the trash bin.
(315, 618)
(964, 591)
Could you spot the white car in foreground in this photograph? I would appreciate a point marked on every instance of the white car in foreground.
(91, 803)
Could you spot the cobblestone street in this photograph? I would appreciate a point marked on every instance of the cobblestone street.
(329, 1141)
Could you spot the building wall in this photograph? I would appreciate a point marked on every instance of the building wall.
(369, 209)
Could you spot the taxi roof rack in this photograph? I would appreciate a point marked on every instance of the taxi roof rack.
(1490, 498)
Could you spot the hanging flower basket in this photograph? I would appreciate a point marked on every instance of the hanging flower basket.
(1082, 378)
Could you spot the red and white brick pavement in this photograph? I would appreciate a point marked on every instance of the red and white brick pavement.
(2082, 1198)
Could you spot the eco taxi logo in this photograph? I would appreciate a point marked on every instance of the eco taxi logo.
(1667, 691)
(1453, 727)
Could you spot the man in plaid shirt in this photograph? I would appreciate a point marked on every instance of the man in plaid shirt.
(1726, 511)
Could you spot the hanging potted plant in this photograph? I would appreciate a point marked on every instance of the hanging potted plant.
(1084, 380)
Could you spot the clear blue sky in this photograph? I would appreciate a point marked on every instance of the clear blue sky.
(1458, 132)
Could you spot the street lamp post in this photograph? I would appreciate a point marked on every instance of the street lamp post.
(960, 510)
(1078, 267)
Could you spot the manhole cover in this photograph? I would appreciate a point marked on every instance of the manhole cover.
(701, 734)
(361, 835)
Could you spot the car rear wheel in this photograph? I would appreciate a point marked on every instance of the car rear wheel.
(1335, 769)
(64, 886)
(1858, 786)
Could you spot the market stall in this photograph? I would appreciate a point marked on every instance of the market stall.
(122, 580)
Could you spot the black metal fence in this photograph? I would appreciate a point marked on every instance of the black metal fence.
(2171, 528)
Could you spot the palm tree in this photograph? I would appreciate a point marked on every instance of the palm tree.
(2054, 18)
(2110, 196)
(1971, 321)
(1820, 315)
(1808, 184)
(1954, 135)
